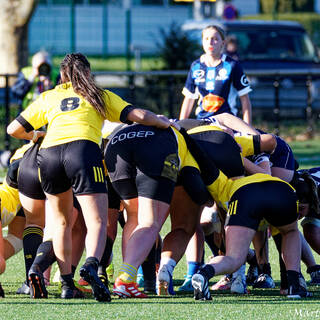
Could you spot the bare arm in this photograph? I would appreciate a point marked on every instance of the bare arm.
(186, 108)
(235, 123)
(149, 118)
(16, 130)
(251, 168)
(246, 108)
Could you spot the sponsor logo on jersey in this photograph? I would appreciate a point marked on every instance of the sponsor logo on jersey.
(171, 167)
(198, 76)
(131, 135)
(212, 102)
(222, 75)
(244, 80)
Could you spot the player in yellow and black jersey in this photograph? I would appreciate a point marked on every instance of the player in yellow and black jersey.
(248, 200)
(70, 160)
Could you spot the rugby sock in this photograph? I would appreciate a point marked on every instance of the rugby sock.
(251, 258)
(193, 267)
(45, 255)
(121, 219)
(265, 269)
(140, 271)
(158, 251)
(210, 242)
(149, 265)
(293, 279)
(283, 271)
(127, 273)
(105, 257)
(67, 280)
(32, 238)
(207, 270)
(73, 270)
(169, 263)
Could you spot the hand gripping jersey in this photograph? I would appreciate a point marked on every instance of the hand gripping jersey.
(215, 87)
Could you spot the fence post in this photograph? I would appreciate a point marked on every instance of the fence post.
(7, 113)
(171, 95)
(308, 111)
(132, 87)
(276, 110)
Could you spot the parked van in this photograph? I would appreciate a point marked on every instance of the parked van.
(266, 44)
(270, 48)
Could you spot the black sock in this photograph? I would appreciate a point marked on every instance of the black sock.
(45, 256)
(149, 265)
(73, 270)
(283, 271)
(265, 269)
(158, 250)
(67, 279)
(207, 270)
(253, 261)
(106, 256)
(293, 278)
(121, 219)
(32, 238)
(210, 242)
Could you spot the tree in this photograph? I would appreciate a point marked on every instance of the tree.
(14, 20)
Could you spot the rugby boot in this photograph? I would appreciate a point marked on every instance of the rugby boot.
(89, 273)
(314, 272)
(264, 281)
(164, 282)
(127, 290)
(24, 289)
(298, 292)
(239, 285)
(69, 291)
(187, 285)
(200, 285)
(252, 275)
(223, 284)
(36, 282)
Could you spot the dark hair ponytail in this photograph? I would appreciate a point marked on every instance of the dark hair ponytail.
(76, 68)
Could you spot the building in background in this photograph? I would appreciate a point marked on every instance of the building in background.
(100, 27)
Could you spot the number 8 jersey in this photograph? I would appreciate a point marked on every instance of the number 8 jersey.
(69, 116)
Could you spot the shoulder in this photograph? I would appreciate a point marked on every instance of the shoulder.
(195, 63)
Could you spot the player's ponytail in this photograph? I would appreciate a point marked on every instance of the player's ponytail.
(76, 68)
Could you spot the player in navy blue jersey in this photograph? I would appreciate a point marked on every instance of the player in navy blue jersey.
(215, 80)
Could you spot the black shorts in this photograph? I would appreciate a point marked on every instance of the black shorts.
(113, 198)
(77, 164)
(12, 173)
(143, 161)
(28, 177)
(223, 150)
(273, 200)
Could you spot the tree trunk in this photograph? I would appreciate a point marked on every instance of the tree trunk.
(14, 19)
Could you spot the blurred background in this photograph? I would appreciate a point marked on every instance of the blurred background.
(142, 50)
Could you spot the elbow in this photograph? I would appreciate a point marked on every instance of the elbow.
(10, 130)
(268, 143)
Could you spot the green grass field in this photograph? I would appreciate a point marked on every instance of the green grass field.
(258, 304)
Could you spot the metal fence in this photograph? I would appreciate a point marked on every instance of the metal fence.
(276, 96)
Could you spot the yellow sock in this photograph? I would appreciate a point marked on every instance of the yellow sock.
(127, 273)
